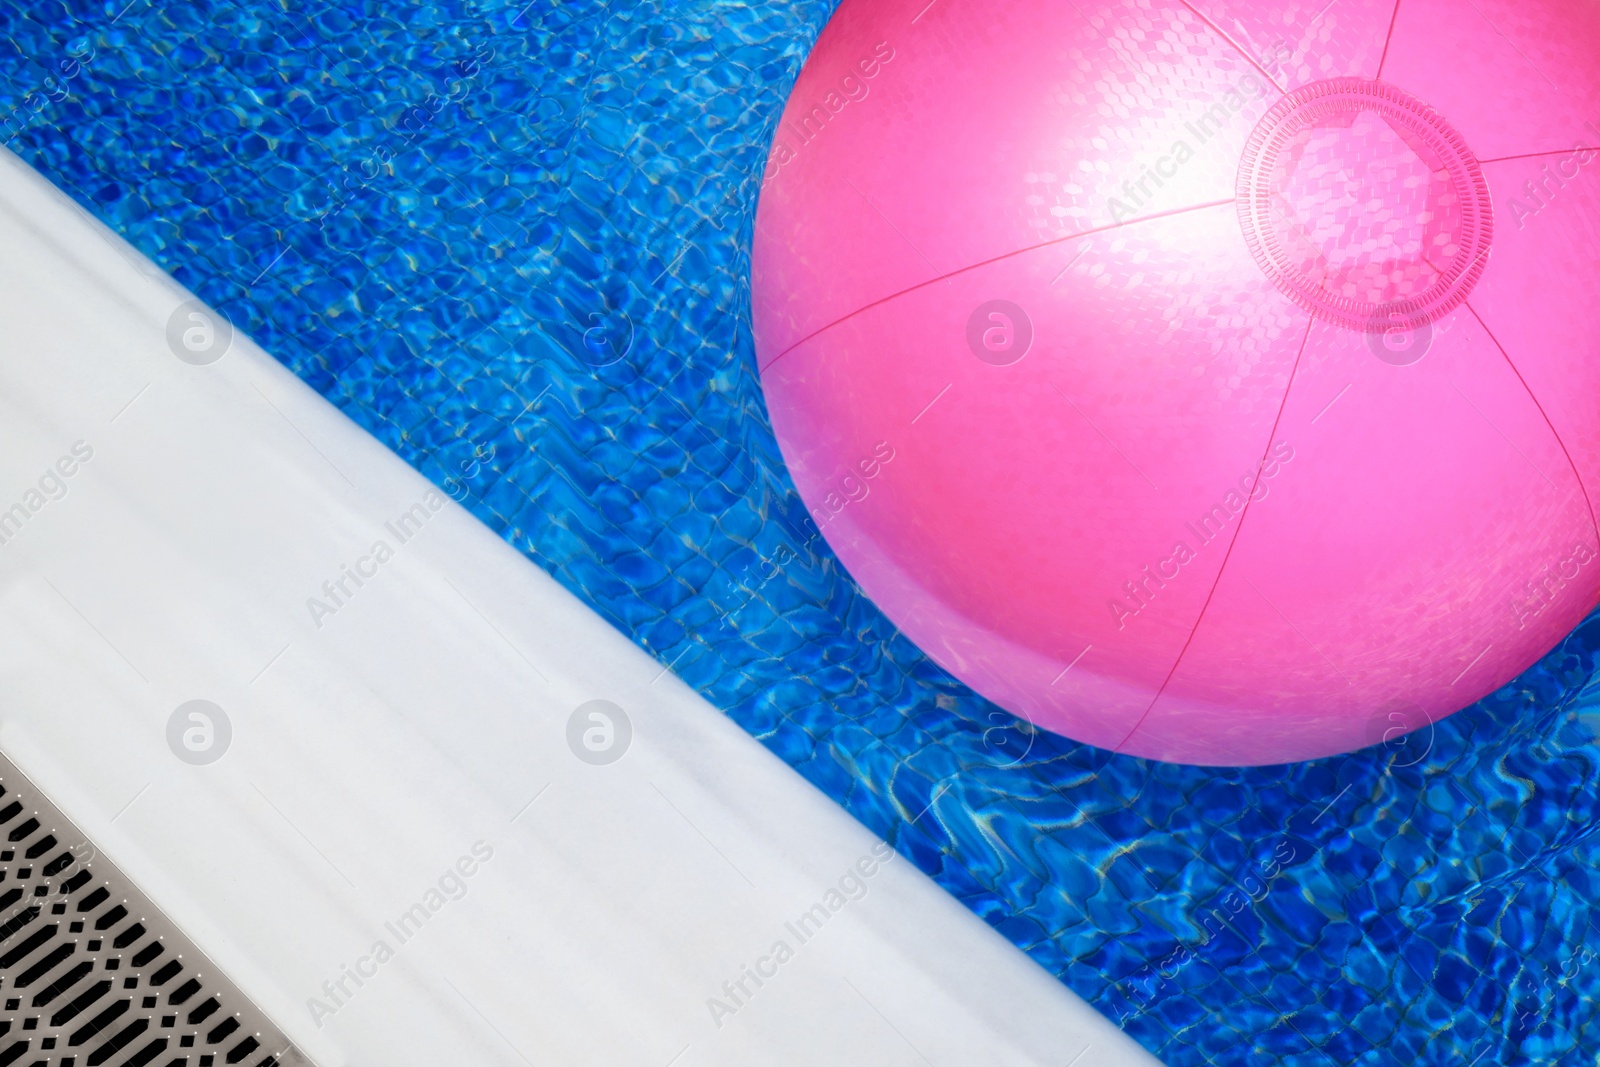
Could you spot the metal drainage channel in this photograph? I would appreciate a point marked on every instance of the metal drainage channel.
(92, 974)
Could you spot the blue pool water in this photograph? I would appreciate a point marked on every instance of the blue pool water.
(512, 242)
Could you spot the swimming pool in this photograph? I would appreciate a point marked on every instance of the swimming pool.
(512, 242)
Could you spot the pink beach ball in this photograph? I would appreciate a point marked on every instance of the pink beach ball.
(1214, 382)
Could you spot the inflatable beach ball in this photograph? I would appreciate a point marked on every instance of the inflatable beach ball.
(1213, 382)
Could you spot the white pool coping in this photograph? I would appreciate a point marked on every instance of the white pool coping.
(422, 721)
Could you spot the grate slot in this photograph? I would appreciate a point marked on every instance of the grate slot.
(125, 1037)
(83, 1000)
(33, 941)
(100, 1022)
(243, 1049)
(166, 973)
(220, 1032)
(94, 900)
(111, 918)
(71, 978)
(44, 966)
(148, 1053)
(19, 920)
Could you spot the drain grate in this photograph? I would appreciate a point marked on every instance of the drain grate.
(92, 974)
